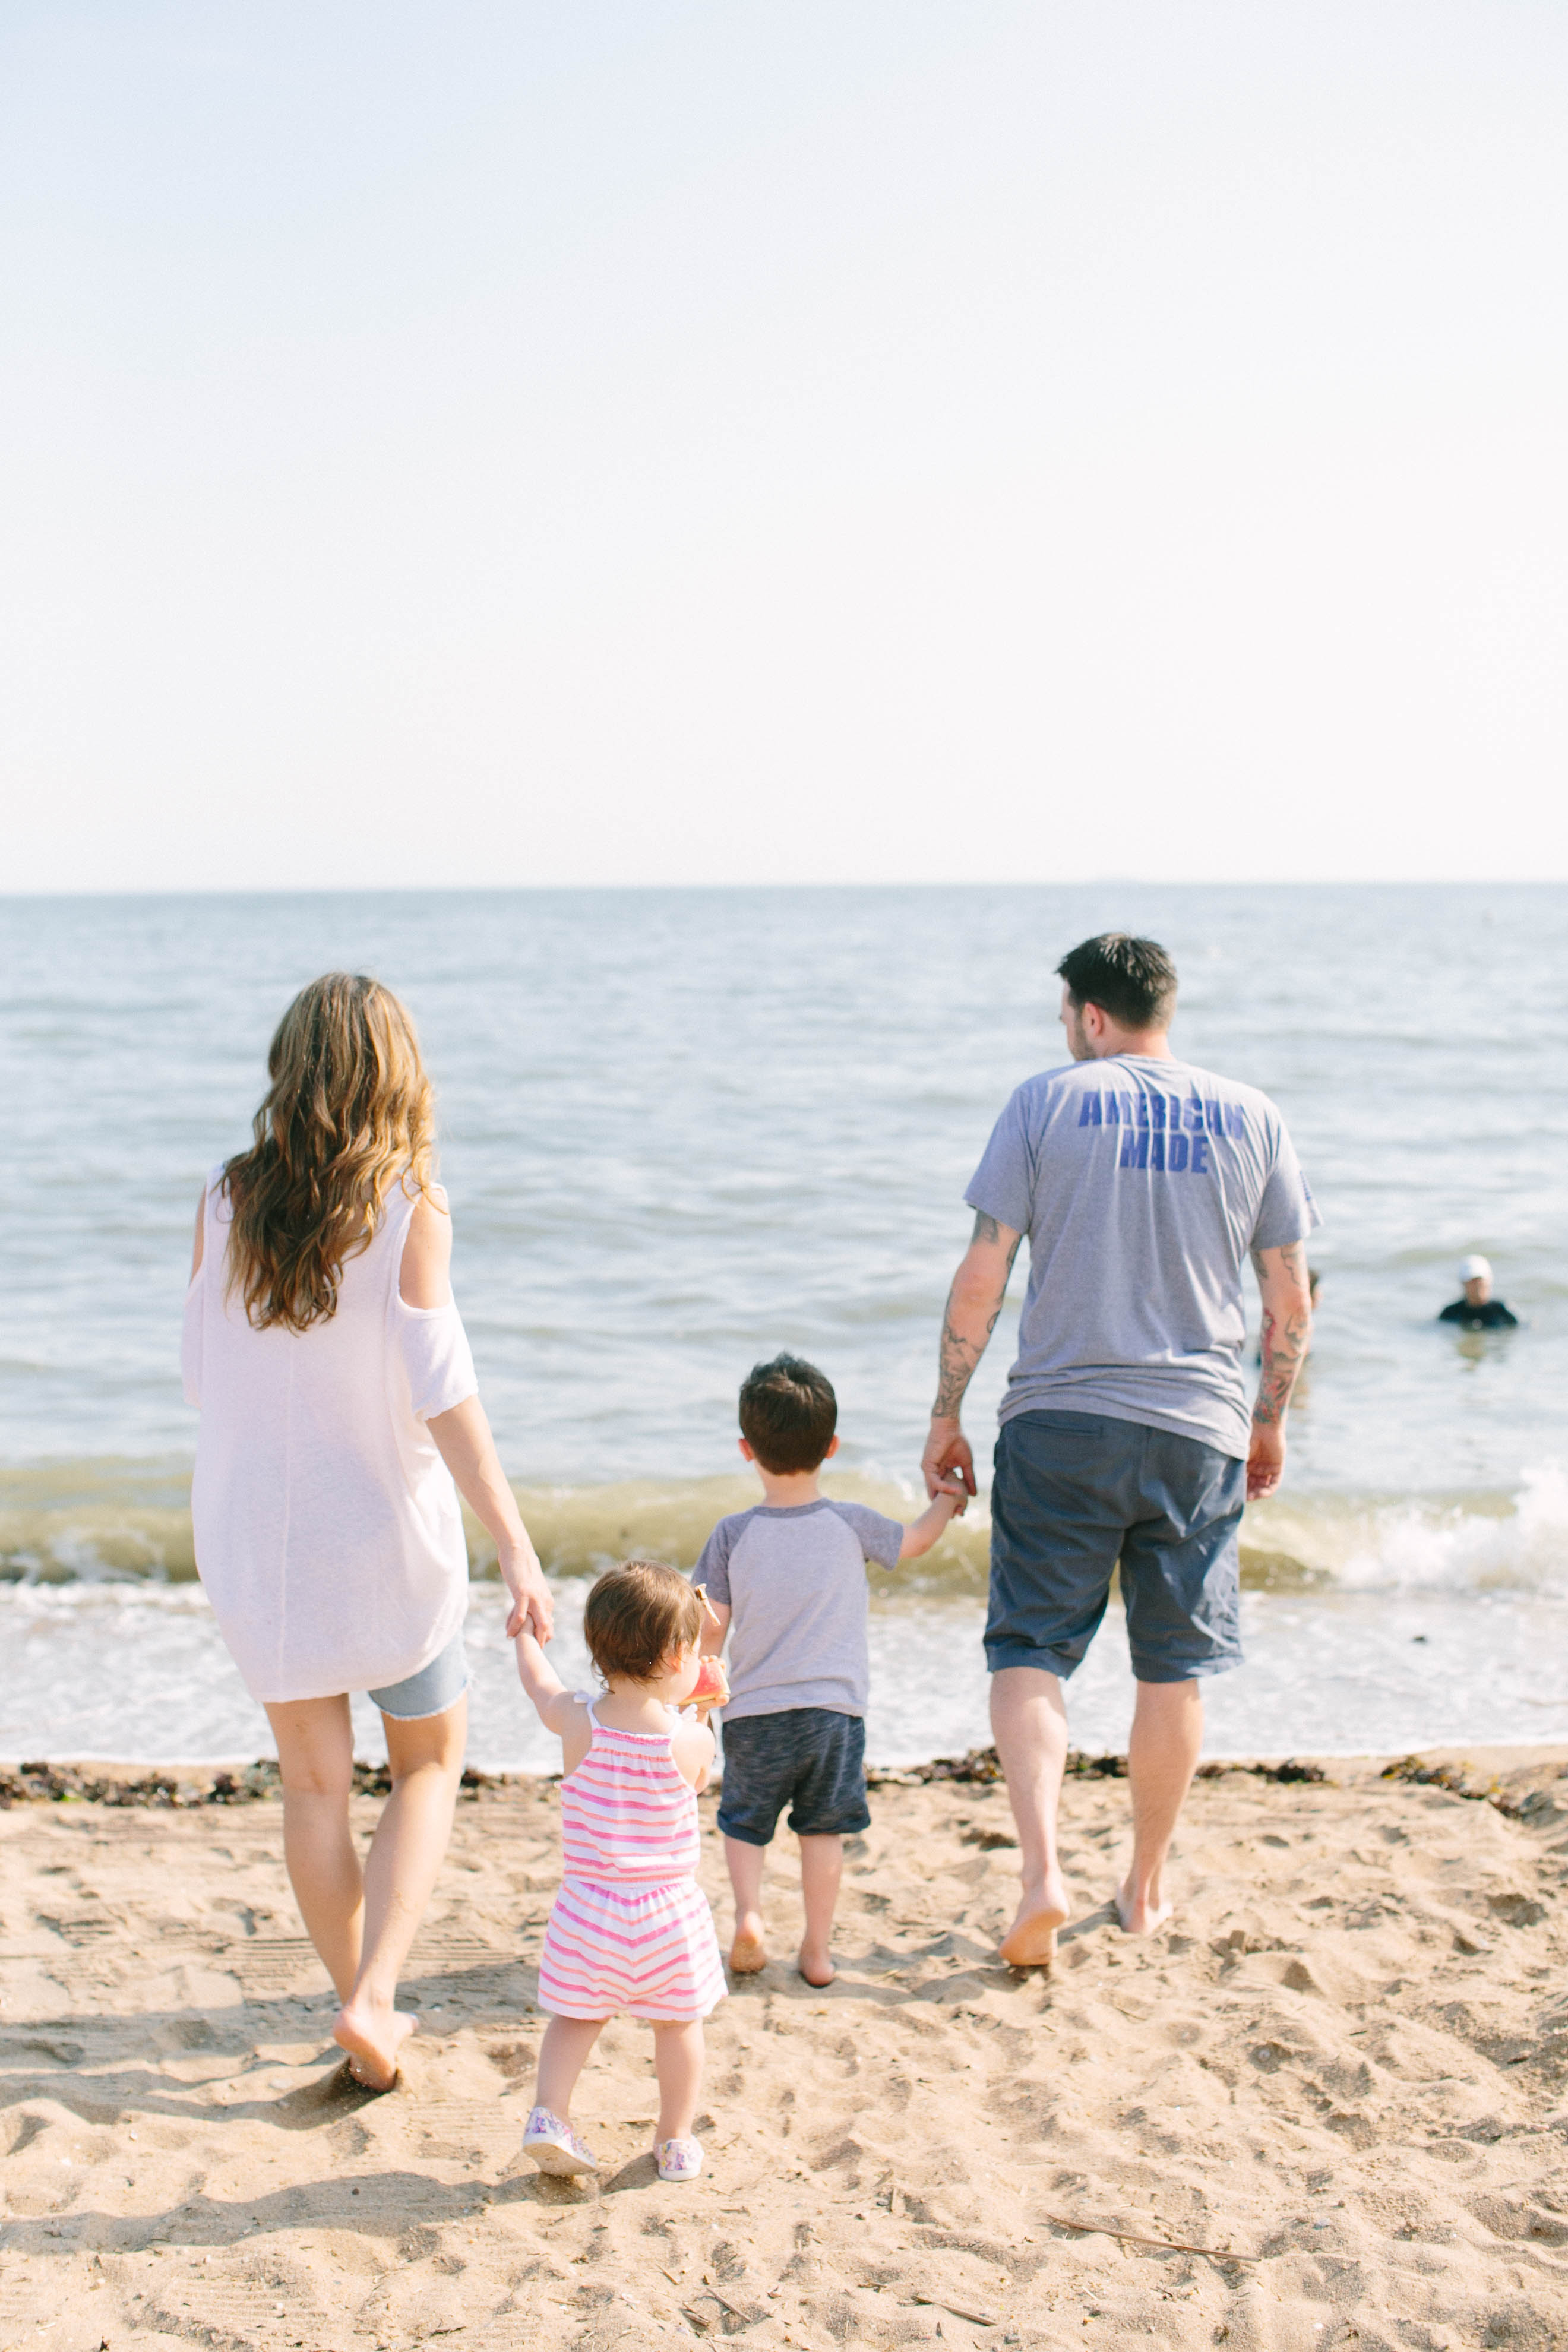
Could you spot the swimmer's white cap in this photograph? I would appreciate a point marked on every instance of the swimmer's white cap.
(1475, 1270)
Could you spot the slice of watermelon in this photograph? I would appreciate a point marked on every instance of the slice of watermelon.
(712, 1684)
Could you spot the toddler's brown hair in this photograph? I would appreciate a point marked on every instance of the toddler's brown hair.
(636, 1615)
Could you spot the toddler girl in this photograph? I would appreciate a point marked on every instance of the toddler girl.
(630, 1928)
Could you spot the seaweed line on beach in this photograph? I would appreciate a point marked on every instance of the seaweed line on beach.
(1456, 1779)
(41, 1782)
(74, 1784)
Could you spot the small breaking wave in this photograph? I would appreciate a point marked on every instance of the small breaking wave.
(1466, 1543)
(125, 1524)
(128, 1525)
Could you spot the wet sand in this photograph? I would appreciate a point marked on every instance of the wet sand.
(1344, 2059)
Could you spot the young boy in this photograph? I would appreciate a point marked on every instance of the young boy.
(786, 1580)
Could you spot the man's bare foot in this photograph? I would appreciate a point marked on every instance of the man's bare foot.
(1143, 1916)
(817, 1967)
(1031, 1940)
(373, 2038)
(748, 1953)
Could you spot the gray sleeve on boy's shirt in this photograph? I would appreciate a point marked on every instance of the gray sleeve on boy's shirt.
(881, 1539)
(713, 1568)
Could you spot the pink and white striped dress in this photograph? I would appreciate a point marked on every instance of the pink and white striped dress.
(630, 1929)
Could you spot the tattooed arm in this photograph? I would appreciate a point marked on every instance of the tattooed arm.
(973, 1305)
(1287, 1336)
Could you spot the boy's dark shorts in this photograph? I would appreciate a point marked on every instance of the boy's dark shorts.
(811, 1759)
(1073, 1492)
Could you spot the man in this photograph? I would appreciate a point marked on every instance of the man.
(1477, 1310)
(1142, 1183)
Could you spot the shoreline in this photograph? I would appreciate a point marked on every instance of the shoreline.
(129, 1781)
(114, 1677)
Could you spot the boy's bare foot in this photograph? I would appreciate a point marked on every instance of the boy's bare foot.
(1142, 1917)
(1031, 1940)
(373, 2038)
(748, 1953)
(817, 1967)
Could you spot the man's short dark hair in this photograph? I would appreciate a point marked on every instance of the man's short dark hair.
(788, 1414)
(1131, 979)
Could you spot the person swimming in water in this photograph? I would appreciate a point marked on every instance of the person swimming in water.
(1477, 1310)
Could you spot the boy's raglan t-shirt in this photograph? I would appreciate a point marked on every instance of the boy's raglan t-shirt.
(1142, 1183)
(794, 1583)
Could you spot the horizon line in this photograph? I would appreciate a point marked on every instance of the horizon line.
(100, 894)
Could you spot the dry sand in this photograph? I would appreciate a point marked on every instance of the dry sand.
(1344, 2059)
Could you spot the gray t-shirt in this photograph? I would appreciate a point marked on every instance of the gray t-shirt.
(794, 1582)
(1142, 1184)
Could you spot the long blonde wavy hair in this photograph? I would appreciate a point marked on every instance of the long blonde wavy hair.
(348, 1114)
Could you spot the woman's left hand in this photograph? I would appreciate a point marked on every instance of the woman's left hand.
(531, 1604)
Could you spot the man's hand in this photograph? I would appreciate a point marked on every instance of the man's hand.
(947, 1456)
(1265, 1460)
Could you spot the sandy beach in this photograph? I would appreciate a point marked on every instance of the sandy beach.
(1340, 2072)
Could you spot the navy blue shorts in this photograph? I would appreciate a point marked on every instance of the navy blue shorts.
(1073, 1492)
(811, 1759)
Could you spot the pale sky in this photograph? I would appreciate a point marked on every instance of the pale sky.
(782, 439)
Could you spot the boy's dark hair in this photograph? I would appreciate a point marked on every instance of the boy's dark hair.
(788, 1414)
(636, 1615)
(1134, 981)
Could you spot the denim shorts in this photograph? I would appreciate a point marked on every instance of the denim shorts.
(432, 1690)
(811, 1759)
(1076, 1492)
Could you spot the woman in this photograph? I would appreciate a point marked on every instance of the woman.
(338, 1405)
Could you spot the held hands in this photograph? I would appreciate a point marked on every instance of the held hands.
(948, 1497)
(530, 1602)
(947, 1460)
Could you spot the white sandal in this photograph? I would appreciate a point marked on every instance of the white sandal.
(679, 2159)
(554, 2146)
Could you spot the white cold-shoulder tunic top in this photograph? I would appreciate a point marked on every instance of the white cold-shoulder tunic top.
(328, 1532)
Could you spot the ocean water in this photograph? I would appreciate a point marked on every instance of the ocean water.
(682, 1130)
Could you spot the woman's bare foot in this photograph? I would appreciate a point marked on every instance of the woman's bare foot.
(1142, 1916)
(748, 1953)
(373, 2038)
(1031, 1940)
(817, 1967)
